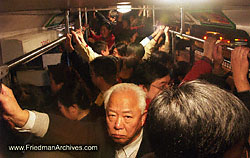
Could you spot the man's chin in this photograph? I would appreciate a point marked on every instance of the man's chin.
(120, 141)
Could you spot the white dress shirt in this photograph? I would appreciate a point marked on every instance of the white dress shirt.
(130, 150)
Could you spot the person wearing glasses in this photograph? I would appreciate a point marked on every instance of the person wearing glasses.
(153, 77)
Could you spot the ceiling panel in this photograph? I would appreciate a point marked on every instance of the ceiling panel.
(28, 5)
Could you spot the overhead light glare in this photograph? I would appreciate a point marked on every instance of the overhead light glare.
(123, 3)
(124, 8)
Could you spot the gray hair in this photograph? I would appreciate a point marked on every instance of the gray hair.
(126, 87)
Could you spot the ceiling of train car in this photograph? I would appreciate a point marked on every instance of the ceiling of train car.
(24, 5)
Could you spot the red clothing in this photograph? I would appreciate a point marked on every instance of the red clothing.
(110, 40)
(202, 66)
(147, 103)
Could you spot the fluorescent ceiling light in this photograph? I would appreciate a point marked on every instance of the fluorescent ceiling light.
(123, 3)
(124, 8)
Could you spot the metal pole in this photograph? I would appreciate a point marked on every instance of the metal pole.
(86, 34)
(182, 20)
(227, 62)
(188, 36)
(86, 16)
(30, 55)
(173, 45)
(80, 17)
(194, 38)
(153, 12)
(67, 21)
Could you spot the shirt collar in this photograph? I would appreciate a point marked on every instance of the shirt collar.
(134, 146)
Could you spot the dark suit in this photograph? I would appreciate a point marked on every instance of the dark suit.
(64, 131)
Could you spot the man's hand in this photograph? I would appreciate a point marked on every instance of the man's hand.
(78, 37)
(217, 55)
(209, 47)
(166, 29)
(218, 60)
(11, 111)
(240, 67)
(161, 29)
(68, 45)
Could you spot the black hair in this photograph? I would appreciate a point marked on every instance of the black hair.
(219, 81)
(59, 72)
(147, 72)
(180, 70)
(105, 66)
(196, 120)
(162, 58)
(181, 44)
(100, 46)
(136, 50)
(121, 48)
(107, 25)
(76, 93)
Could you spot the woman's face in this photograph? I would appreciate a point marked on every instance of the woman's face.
(66, 112)
(104, 31)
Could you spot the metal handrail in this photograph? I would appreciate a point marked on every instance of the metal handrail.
(226, 63)
(35, 53)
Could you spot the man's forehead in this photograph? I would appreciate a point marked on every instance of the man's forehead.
(123, 99)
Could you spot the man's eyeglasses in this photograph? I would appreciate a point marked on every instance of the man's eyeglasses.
(165, 86)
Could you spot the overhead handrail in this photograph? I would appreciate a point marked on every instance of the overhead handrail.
(226, 63)
(35, 53)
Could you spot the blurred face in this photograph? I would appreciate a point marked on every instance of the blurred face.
(133, 38)
(104, 31)
(106, 52)
(157, 86)
(66, 111)
(94, 78)
(125, 24)
(124, 118)
(116, 53)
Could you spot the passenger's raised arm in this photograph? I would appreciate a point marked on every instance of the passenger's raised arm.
(204, 65)
(11, 111)
(82, 47)
(240, 66)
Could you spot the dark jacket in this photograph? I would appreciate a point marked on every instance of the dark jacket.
(64, 131)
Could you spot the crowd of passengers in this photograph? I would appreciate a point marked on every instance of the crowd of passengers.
(132, 99)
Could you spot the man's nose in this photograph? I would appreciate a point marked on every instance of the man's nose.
(119, 123)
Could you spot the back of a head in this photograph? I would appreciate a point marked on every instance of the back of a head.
(163, 58)
(182, 44)
(180, 71)
(76, 93)
(196, 120)
(136, 50)
(121, 48)
(59, 72)
(147, 72)
(100, 46)
(105, 66)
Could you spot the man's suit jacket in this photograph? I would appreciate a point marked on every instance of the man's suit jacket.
(64, 131)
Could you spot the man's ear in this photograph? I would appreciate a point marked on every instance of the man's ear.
(103, 52)
(144, 116)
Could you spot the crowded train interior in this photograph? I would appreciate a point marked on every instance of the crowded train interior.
(124, 78)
